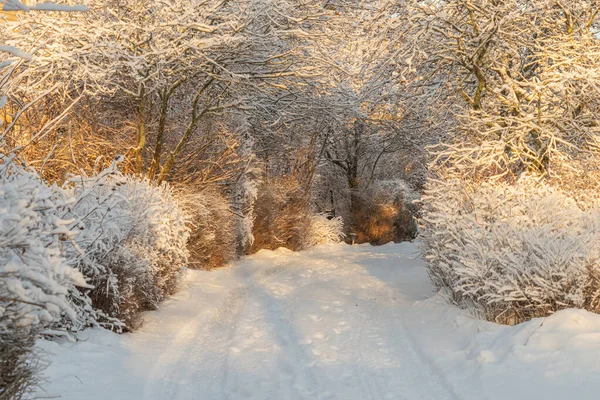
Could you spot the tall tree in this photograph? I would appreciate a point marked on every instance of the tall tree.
(517, 76)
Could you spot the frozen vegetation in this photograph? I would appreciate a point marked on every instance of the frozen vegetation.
(178, 179)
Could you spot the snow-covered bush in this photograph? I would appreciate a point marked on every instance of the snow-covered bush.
(131, 245)
(245, 193)
(322, 230)
(512, 252)
(280, 212)
(35, 279)
(213, 238)
(35, 276)
(384, 212)
(284, 217)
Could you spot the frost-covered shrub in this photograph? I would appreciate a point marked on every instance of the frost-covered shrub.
(323, 230)
(35, 276)
(35, 279)
(281, 210)
(284, 217)
(131, 245)
(513, 252)
(384, 212)
(213, 238)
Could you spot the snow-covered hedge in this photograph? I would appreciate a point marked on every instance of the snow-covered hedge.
(132, 244)
(95, 252)
(35, 279)
(512, 252)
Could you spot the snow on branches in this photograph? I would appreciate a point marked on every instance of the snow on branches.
(322, 230)
(94, 253)
(35, 278)
(519, 77)
(132, 245)
(513, 252)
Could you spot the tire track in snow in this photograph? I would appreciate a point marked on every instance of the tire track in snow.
(419, 367)
(191, 344)
(286, 381)
(384, 335)
(291, 357)
(433, 370)
(196, 342)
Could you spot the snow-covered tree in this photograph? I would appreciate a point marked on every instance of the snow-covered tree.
(511, 87)
(152, 58)
(161, 71)
(518, 78)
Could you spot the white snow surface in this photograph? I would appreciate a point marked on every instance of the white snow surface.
(335, 322)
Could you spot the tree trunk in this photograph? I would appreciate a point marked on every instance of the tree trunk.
(155, 167)
(138, 151)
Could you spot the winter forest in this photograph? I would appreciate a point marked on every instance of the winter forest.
(149, 146)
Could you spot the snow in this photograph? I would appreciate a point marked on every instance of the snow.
(15, 52)
(16, 5)
(334, 322)
(58, 7)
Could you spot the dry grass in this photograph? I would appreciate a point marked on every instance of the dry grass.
(18, 366)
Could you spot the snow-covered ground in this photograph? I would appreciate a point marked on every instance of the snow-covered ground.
(336, 322)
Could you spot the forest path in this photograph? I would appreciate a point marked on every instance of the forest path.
(323, 324)
(280, 325)
(336, 322)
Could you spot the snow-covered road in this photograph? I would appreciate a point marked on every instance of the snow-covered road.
(336, 322)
